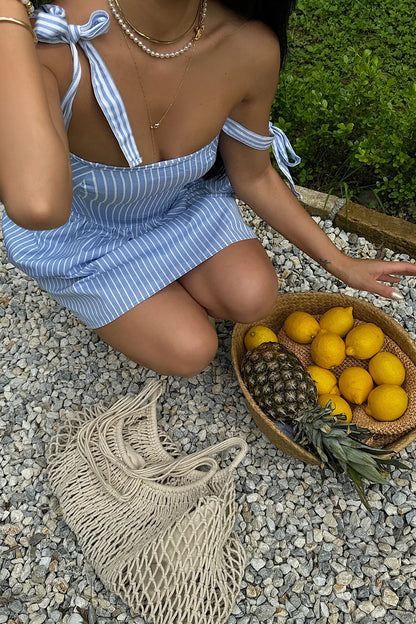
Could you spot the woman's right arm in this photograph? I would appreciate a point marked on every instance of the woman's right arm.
(35, 172)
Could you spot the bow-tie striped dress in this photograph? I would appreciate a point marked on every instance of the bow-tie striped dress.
(133, 230)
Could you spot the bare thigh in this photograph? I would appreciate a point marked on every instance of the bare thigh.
(238, 283)
(169, 333)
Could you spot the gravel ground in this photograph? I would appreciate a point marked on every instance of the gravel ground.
(313, 554)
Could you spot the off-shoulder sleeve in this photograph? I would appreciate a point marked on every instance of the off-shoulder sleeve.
(282, 149)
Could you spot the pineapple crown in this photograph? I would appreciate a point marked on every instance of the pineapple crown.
(284, 390)
(341, 446)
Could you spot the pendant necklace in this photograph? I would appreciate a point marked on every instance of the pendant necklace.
(155, 125)
(136, 36)
(129, 31)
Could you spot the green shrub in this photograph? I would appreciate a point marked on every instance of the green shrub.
(347, 99)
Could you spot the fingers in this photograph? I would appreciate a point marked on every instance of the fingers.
(379, 276)
(387, 292)
(393, 272)
(400, 268)
(392, 279)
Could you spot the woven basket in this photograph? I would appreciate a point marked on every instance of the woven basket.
(316, 304)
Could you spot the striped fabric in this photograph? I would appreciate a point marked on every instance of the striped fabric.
(278, 141)
(132, 230)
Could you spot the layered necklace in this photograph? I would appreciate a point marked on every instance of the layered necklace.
(135, 35)
(132, 35)
(155, 124)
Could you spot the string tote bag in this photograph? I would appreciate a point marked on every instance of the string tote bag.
(156, 524)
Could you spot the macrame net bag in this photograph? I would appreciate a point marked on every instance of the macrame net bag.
(156, 525)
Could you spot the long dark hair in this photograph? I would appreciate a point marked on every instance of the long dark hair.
(274, 13)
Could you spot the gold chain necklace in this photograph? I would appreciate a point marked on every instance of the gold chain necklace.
(135, 34)
(152, 39)
(155, 125)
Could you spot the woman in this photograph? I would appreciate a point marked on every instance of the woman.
(110, 128)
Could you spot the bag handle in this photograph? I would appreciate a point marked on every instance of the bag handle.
(110, 423)
(186, 464)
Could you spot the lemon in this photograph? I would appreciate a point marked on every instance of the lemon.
(325, 381)
(355, 384)
(301, 327)
(364, 341)
(387, 402)
(258, 334)
(327, 349)
(386, 368)
(338, 320)
(338, 405)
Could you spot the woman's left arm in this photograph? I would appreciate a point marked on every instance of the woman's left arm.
(255, 182)
(272, 200)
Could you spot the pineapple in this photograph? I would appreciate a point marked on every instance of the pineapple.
(284, 390)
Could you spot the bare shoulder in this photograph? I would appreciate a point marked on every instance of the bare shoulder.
(253, 40)
(259, 51)
(79, 11)
(255, 52)
(260, 42)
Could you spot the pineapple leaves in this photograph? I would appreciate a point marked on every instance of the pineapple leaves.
(371, 473)
(359, 486)
(281, 386)
(340, 446)
(396, 463)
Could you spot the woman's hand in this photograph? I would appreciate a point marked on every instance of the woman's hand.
(372, 275)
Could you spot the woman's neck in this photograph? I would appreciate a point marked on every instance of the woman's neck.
(161, 19)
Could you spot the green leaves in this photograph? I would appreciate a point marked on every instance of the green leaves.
(341, 446)
(347, 98)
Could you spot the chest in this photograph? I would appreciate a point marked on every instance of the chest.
(173, 106)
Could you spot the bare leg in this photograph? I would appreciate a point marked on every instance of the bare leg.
(169, 333)
(239, 283)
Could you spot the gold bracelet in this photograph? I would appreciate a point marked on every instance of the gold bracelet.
(28, 27)
(30, 9)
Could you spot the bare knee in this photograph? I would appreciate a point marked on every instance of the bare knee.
(193, 351)
(185, 353)
(254, 301)
(184, 350)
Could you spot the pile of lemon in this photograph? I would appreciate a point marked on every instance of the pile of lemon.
(331, 340)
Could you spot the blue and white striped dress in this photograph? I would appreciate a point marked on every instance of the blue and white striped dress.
(132, 230)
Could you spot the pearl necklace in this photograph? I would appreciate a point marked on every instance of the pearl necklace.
(141, 35)
(131, 31)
